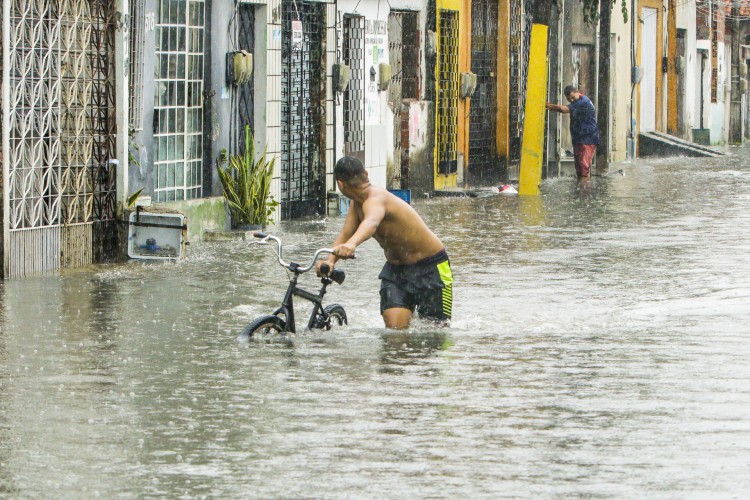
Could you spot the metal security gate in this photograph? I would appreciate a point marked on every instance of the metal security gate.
(58, 134)
(484, 166)
(303, 109)
(403, 54)
(243, 96)
(520, 38)
(446, 109)
(354, 97)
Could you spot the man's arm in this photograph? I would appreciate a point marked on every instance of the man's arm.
(351, 223)
(374, 213)
(559, 108)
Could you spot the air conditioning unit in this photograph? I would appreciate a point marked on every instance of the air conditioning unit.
(157, 236)
(341, 75)
(468, 84)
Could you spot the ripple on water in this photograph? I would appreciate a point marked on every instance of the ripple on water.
(598, 348)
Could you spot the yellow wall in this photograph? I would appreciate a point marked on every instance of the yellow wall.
(460, 6)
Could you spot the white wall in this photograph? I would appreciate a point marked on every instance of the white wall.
(686, 13)
(621, 84)
(378, 118)
(718, 108)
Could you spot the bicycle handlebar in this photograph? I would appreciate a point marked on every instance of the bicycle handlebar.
(264, 241)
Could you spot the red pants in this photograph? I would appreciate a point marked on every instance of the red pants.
(583, 154)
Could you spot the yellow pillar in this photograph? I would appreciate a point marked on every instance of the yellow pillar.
(532, 145)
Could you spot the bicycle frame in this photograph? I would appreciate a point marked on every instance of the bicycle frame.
(287, 305)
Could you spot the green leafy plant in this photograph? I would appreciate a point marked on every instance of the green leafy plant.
(133, 197)
(247, 185)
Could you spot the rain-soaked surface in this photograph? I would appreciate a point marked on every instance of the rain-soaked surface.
(599, 347)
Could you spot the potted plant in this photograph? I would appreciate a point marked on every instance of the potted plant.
(247, 186)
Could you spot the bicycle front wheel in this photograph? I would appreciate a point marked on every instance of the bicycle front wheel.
(336, 316)
(265, 328)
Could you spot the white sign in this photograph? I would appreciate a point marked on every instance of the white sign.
(296, 33)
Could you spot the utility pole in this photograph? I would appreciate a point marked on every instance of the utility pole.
(122, 56)
(736, 134)
(602, 97)
(672, 69)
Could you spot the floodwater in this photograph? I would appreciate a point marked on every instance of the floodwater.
(599, 348)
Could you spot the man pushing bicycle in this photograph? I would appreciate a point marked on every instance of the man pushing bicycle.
(417, 273)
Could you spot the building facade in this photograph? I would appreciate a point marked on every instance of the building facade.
(102, 98)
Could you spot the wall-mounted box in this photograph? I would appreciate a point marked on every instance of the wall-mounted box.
(156, 235)
(341, 74)
(468, 84)
(239, 67)
(636, 74)
(384, 72)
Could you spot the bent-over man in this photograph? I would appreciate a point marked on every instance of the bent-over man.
(584, 130)
(417, 273)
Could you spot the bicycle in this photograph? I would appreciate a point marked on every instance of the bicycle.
(282, 321)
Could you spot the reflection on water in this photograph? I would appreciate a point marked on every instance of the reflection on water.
(404, 350)
(597, 349)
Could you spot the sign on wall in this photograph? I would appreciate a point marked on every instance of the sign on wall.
(376, 44)
(297, 36)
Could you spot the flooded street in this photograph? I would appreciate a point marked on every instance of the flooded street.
(599, 348)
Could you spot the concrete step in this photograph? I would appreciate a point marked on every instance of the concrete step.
(663, 145)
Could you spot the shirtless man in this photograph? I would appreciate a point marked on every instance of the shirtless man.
(417, 273)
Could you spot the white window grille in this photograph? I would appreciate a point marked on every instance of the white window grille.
(137, 39)
(178, 100)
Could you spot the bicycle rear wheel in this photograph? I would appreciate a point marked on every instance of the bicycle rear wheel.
(265, 328)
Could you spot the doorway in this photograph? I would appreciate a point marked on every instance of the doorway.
(484, 165)
(303, 109)
(648, 62)
(681, 52)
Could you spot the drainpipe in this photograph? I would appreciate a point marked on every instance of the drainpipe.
(560, 76)
(333, 91)
(736, 134)
(4, 168)
(634, 17)
(704, 56)
(122, 54)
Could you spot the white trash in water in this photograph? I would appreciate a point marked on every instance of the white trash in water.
(507, 189)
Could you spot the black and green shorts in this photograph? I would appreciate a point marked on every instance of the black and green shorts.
(425, 287)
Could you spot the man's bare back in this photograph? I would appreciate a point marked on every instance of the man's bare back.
(402, 234)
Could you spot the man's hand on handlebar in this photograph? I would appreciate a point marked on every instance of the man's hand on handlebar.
(344, 251)
(324, 267)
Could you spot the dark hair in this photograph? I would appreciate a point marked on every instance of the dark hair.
(349, 170)
(570, 89)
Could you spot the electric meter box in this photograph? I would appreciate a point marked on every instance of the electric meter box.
(156, 236)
